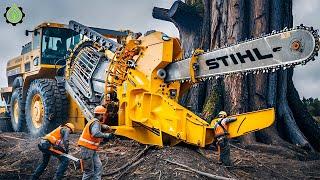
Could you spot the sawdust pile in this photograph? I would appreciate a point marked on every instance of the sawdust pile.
(127, 159)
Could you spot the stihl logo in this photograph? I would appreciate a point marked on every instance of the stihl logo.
(216, 62)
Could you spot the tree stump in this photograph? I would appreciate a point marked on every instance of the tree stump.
(212, 24)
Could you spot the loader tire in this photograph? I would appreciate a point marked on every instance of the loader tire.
(17, 112)
(46, 107)
(63, 101)
(5, 123)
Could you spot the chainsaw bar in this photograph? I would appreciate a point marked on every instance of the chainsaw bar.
(271, 52)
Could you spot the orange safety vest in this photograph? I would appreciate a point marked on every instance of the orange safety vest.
(87, 140)
(220, 129)
(54, 137)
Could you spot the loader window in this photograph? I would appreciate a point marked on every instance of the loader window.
(55, 44)
(36, 41)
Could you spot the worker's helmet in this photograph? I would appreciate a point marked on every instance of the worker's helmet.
(99, 110)
(222, 114)
(70, 126)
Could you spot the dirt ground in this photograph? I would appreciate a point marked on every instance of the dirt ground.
(19, 157)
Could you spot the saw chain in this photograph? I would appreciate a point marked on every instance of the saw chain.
(268, 53)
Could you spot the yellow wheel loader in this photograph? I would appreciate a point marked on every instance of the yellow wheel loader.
(36, 100)
(139, 79)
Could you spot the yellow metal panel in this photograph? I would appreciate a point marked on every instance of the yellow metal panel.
(75, 115)
(140, 134)
(151, 115)
(50, 24)
(50, 66)
(250, 122)
(158, 55)
(15, 62)
(29, 57)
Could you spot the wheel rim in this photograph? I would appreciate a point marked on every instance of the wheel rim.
(16, 111)
(37, 111)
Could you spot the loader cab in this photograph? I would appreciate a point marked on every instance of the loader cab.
(45, 56)
(53, 44)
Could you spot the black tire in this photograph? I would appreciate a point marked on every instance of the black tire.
(17, 122)
(5, 123)
(63, 108)
(54, 106)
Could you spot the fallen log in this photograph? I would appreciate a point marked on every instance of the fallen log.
(10, 137)
(129, 168)
(134, 159)
(211, 176)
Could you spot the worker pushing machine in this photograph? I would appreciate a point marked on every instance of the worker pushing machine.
(55, 141)
(221, 136)
(89, 143)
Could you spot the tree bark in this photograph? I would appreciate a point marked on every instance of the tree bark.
(211, 24)
(309, 126)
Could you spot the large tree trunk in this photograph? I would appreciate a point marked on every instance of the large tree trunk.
(211, 24)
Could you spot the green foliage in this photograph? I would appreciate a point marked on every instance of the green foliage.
(214, 102)
(313, 105)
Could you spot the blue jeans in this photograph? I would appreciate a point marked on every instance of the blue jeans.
(46, 155)
(92, 166)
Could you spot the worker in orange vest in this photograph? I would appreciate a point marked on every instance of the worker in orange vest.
(221, 135)
(89, 143)
(58, 139)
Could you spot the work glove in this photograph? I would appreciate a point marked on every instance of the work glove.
(105, 127)
(109, 136)
(230, 120)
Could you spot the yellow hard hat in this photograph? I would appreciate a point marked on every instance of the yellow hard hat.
(71, 126)
(222, 114)
(99, 110)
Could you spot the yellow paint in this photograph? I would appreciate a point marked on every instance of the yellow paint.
(147, 112)
(193, 62)
(2, 110)
(51, 24)
(75, 115)
(250, 122)
(37, 111)
(50, 66)
(15, 111)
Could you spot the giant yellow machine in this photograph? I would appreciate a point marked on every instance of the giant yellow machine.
(67, 70)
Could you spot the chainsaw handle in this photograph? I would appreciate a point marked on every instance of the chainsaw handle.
(55, 151)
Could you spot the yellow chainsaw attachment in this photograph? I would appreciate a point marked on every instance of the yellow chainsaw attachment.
(250, 122)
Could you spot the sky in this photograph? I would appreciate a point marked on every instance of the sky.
(135, 15)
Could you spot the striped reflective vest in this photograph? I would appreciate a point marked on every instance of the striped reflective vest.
(87, 140)
(54, 137)
(220, 128)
